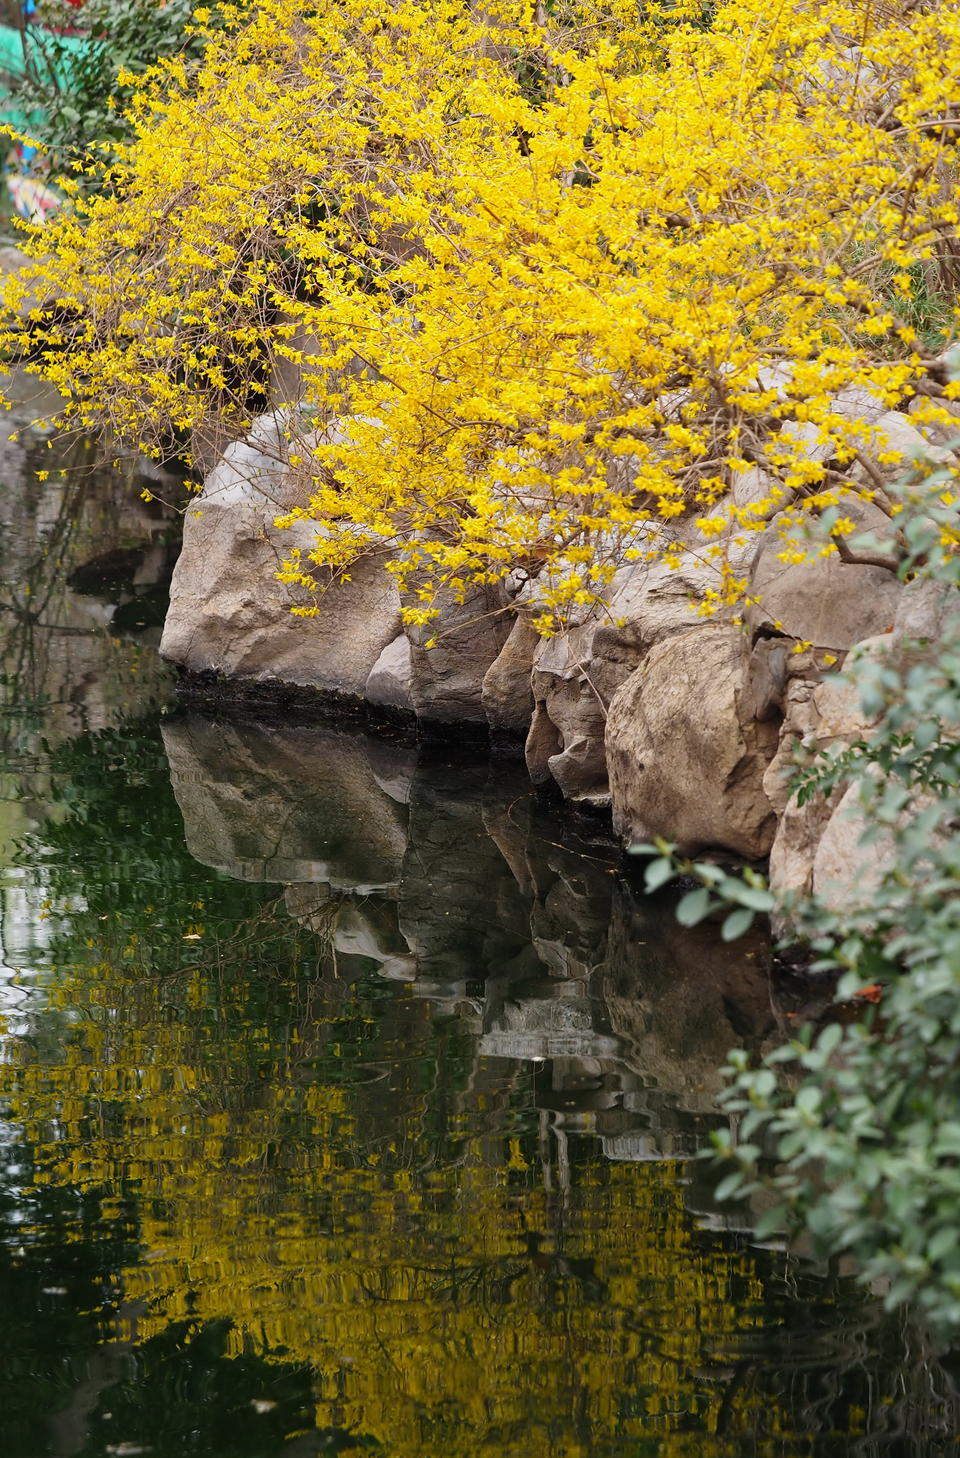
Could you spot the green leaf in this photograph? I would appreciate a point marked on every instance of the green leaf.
(754, 896)
(809, 1099)
(830, 1039)
(770, 1222)
(658, 873)
(729, 1187)
(737, 923)
(694, 907)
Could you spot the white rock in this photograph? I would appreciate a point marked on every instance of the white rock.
(388, 686)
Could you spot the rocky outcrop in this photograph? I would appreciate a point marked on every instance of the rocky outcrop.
(684, 725)
(576, 674)
(446, 679)
(686, 754)
(229, 615)
(848, 865)
(820, 600)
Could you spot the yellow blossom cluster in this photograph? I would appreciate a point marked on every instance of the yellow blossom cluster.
(530, 289)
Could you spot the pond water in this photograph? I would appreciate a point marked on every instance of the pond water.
(348, 1096)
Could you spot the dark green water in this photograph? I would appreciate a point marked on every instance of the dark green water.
(348, 1098)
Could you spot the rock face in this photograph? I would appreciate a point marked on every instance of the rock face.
(565, 740)
(823, 601)
(389, 682)
(686, 756)
(228, 613)
(817, 848)
(821, 715)
(446, 681)
(506, 693)
(846, 870)
(576, 675)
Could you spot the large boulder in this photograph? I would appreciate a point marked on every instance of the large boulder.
(576, 674)
(937, 417)
(446, 680)
(685, 753)
(906, 441)
(228, 612)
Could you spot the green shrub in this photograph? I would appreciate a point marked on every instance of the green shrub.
(68, 85)
(855, 1127)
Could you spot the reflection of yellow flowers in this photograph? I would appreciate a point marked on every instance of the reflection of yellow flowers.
(412, 1297)
(543, 353)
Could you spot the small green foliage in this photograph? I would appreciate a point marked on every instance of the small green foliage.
(746, 893)
(77, 94)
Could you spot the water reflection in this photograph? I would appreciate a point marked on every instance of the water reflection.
(450, 877)
(347, 1096)
(83, 565)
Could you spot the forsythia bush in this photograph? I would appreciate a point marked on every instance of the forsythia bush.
(545, 284)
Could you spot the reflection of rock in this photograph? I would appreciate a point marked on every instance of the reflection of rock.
(355, 927)
(473, 897)
(680, 998)
(453, 875)
(550, 1021)
(57, 647)
(269, 804)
